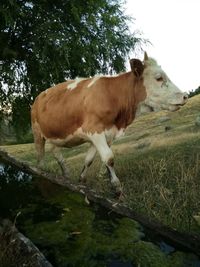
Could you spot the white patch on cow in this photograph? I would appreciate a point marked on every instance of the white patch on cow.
(74, 84)
(80, 137)
(93, 81)
(114, 179)
(120, 133)
(110, 134)
(100, 142)
(96, 78)
(162, 94)
(88, 160)
(113, 133)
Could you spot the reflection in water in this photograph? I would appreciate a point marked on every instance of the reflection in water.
(71, 233)
(6, 171)
(1, 168)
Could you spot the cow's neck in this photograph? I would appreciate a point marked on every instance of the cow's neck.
(131, 92)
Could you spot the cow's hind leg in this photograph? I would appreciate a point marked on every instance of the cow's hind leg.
(40, 148)
(39, 141)
(99, 141)
(88, 161)
(61, 161)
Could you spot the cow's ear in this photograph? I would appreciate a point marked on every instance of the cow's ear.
(137, 67)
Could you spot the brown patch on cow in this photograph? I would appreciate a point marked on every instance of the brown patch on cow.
(57, 112)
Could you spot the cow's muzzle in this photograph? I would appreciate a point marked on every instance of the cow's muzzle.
(180, 100)
(185, 98)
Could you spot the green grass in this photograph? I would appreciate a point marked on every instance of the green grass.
(159, 169)
(164, 183)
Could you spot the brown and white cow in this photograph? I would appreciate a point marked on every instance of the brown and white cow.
(98, 110)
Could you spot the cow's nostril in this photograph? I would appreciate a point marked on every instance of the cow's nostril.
(185, 97)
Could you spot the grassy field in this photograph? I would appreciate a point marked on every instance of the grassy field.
(157, 161)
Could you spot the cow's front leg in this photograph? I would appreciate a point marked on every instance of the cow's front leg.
(88, 161)
(61, 161)
(106, 154)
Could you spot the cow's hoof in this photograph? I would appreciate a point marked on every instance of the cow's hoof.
(118, 189)
(119, 194)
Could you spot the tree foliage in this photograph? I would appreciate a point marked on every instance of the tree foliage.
(194, 92)
(43, 42)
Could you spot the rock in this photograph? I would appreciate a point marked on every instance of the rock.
(168, 128)
(17, 250)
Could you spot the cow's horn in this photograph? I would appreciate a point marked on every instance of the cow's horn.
(145, 56)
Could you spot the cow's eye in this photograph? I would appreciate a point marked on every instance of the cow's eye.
(159, 79)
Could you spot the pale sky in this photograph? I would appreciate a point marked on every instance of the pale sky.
(173, 28)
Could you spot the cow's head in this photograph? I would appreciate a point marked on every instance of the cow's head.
(162, 94)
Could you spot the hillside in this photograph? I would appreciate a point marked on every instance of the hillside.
(157, 162)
